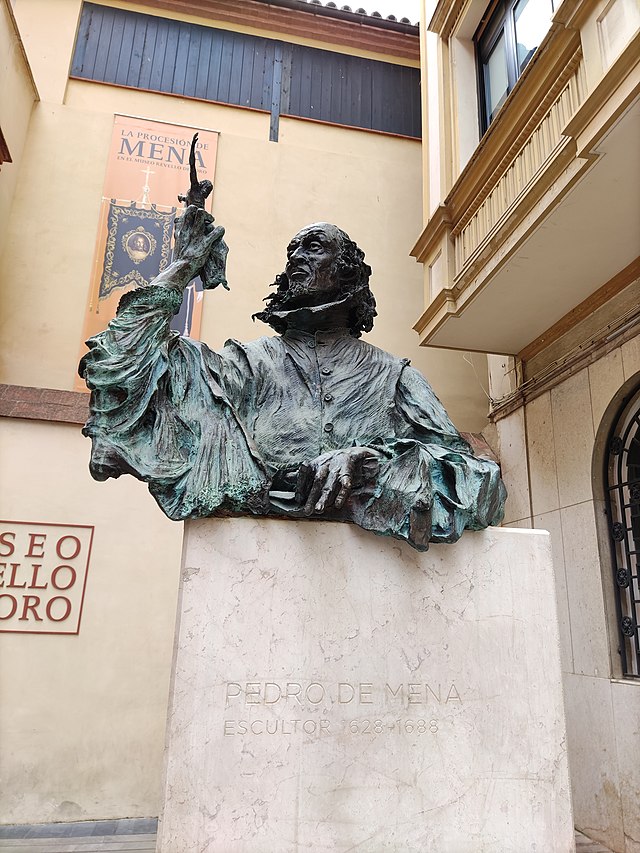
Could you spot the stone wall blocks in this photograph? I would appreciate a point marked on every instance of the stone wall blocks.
(591, 740)
(552, 522)
(584, 589)
(542, 455)
(605, 377)
(574, 436)
(512, 453)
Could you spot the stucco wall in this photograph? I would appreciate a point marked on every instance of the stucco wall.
(550, 453)
(17, 97)
(83, 716)
(368, 183)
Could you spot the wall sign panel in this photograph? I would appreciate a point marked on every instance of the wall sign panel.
(43, 575)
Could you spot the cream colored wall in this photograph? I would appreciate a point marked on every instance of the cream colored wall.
(367, 183)
(82, 717)
(547, 455)
(18, 94)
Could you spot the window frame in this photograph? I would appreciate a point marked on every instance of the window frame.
(622, 505)
(499, 18)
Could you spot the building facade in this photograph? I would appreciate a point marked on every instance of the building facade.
(530, 248)
(91, 570)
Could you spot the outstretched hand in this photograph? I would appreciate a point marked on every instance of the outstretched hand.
(195, 235)
(327, 481)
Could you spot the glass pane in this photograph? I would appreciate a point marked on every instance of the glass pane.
(532, 20)
(496, 81)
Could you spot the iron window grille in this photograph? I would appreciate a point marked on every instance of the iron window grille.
(623, 514)
(506, 39)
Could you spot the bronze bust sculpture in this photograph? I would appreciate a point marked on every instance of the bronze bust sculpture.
(312, 422)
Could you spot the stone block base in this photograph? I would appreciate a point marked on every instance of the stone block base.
(337, 691)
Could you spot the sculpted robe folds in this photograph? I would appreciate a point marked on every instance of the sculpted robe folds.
(219, 433)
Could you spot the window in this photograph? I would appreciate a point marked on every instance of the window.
(623, 512)
(505, 42)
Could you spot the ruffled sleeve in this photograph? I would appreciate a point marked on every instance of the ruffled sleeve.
(430, 487)
(158, 412)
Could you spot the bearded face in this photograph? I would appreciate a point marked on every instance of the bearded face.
(312, 266)
(325, 270)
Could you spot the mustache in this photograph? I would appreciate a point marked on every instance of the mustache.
(297, 268)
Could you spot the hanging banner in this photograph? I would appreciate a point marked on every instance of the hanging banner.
(138, 247)
(147, 168)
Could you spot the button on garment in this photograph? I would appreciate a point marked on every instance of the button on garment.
(279, 387)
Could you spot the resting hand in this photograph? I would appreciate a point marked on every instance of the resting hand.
(328, 480)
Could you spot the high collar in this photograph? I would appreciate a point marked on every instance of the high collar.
(331, 315)
(320, 336)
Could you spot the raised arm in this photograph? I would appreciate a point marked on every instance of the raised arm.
(156, 410)
(196, 239)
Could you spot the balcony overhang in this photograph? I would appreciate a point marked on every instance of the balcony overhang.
(523, 258)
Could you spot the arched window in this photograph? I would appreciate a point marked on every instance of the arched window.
(623, 510)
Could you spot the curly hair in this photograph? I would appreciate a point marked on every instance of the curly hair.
(353, 277)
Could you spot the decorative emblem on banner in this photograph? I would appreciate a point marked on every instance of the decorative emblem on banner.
(138, 246)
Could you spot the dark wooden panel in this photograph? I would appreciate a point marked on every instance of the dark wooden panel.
(386, 95)
(204, 61)
(366, 94)
(262, 75)
(193, 60)
(169, 61)
(224, 78)
(125, 51)
(295, 83)
(326, 89)
(215, 65)
(85, 33)
(157, 60)
(137, 52)
(354, 91)
(132, 49)
(115, 43)
(315, 81)
(377, 75)
(237, 56)
(305, 72)
(183, 51)
(104, 24)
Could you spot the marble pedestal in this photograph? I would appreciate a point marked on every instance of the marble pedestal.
(338, 691)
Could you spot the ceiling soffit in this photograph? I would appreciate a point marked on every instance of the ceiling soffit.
(366, 33)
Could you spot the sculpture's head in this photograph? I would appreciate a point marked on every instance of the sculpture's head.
(323, 267)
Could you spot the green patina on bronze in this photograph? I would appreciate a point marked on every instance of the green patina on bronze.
(310, 423)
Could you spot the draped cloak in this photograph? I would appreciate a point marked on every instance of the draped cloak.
(222, 433)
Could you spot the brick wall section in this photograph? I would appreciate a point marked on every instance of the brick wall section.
(43, 404)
